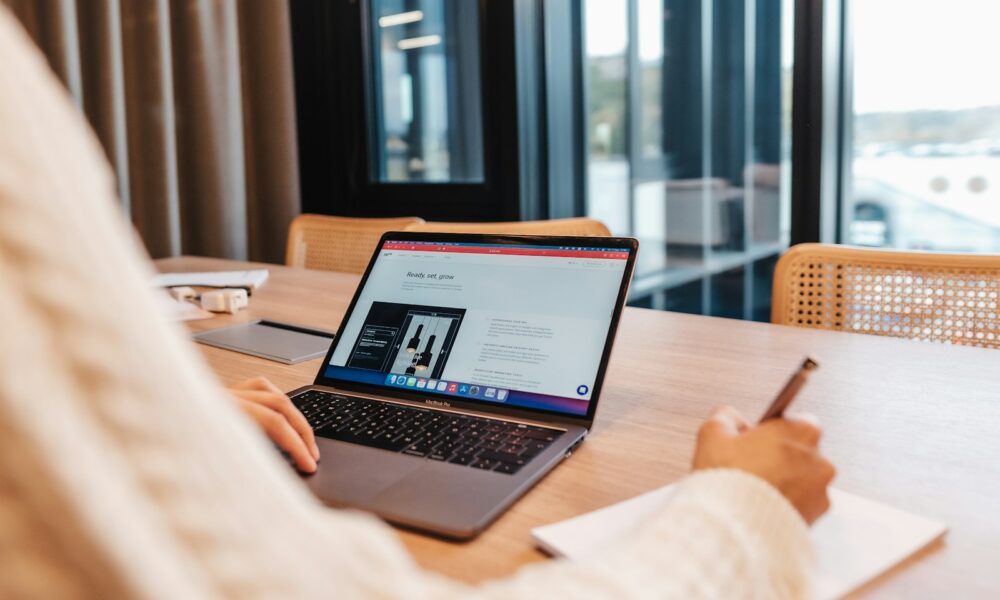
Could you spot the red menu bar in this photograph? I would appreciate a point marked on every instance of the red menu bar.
(509, 250)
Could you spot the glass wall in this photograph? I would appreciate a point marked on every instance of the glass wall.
(606, 46)
(426, 121)
(689, 145)
(924, 132)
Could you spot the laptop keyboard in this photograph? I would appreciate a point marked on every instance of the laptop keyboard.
(477, 442)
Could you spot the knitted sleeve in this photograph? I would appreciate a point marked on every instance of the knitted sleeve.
(124, 473)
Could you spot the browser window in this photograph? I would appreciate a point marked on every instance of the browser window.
(520, 325)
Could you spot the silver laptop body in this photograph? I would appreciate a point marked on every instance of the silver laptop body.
(431, 312)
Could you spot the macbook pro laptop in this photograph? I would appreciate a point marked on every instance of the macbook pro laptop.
(465, 368)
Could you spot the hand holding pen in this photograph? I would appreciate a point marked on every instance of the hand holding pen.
(784, 452)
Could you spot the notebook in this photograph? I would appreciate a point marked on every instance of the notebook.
(856, 541)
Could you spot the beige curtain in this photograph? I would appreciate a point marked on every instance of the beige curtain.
(193, 102)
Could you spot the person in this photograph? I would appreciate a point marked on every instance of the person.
(279, 419)
(125, 472)
(783, 452)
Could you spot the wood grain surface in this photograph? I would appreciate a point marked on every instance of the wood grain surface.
(911, 424)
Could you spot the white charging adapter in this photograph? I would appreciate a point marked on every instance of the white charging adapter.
(225, 300)
(183, 293)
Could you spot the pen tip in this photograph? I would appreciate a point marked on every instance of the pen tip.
(809, 364)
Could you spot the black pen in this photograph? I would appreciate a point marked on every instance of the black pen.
(791, 389)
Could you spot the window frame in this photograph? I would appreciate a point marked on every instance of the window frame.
(821, 100)
(334, 94)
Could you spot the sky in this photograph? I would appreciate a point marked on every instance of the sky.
(926, 54)
(607, 28)
(908, 54)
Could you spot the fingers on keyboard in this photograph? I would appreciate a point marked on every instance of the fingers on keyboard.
(487, 444)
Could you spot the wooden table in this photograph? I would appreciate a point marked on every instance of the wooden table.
(911, 424)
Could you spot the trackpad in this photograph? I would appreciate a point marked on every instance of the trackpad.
(350, 474)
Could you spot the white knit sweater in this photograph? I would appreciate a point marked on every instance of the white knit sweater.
(125, 473)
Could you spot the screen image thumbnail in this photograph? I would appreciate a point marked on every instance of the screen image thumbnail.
(406, 339)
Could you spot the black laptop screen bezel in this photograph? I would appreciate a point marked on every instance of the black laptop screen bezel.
(484, 406)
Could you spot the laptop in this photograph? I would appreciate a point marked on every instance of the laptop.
(465, 368)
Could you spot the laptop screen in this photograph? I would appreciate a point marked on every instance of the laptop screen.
(521, 325)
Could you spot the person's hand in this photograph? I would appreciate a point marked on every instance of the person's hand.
(783, 452)
(274, 412)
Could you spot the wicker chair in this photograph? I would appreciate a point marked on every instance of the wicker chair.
(578, 226)
(337, 243)
(948, 298)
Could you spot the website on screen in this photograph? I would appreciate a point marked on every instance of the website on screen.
(520, 325)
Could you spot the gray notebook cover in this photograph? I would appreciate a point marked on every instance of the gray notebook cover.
(281, 342)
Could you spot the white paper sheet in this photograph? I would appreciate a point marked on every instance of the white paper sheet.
(250, 279)
(856, 541)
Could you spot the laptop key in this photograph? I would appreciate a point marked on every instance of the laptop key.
(371, 433)
(407, 439)
(507, 468)
(382, 442)
(358, 429)
(321, 415)
(428, 434)
(393, 428)
(504, 457)
(386, 443)
(533, 451)
(467, 450)
(545, 435)
(448, 438)
(490, 445)
(318, 423)
(418, 449)
(447, 448)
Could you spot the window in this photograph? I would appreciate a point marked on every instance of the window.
(426, 106)
(668, 120)
(688, 140)
(417, 107)
(923, 148)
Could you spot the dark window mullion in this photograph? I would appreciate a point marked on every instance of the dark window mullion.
(817, 120)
